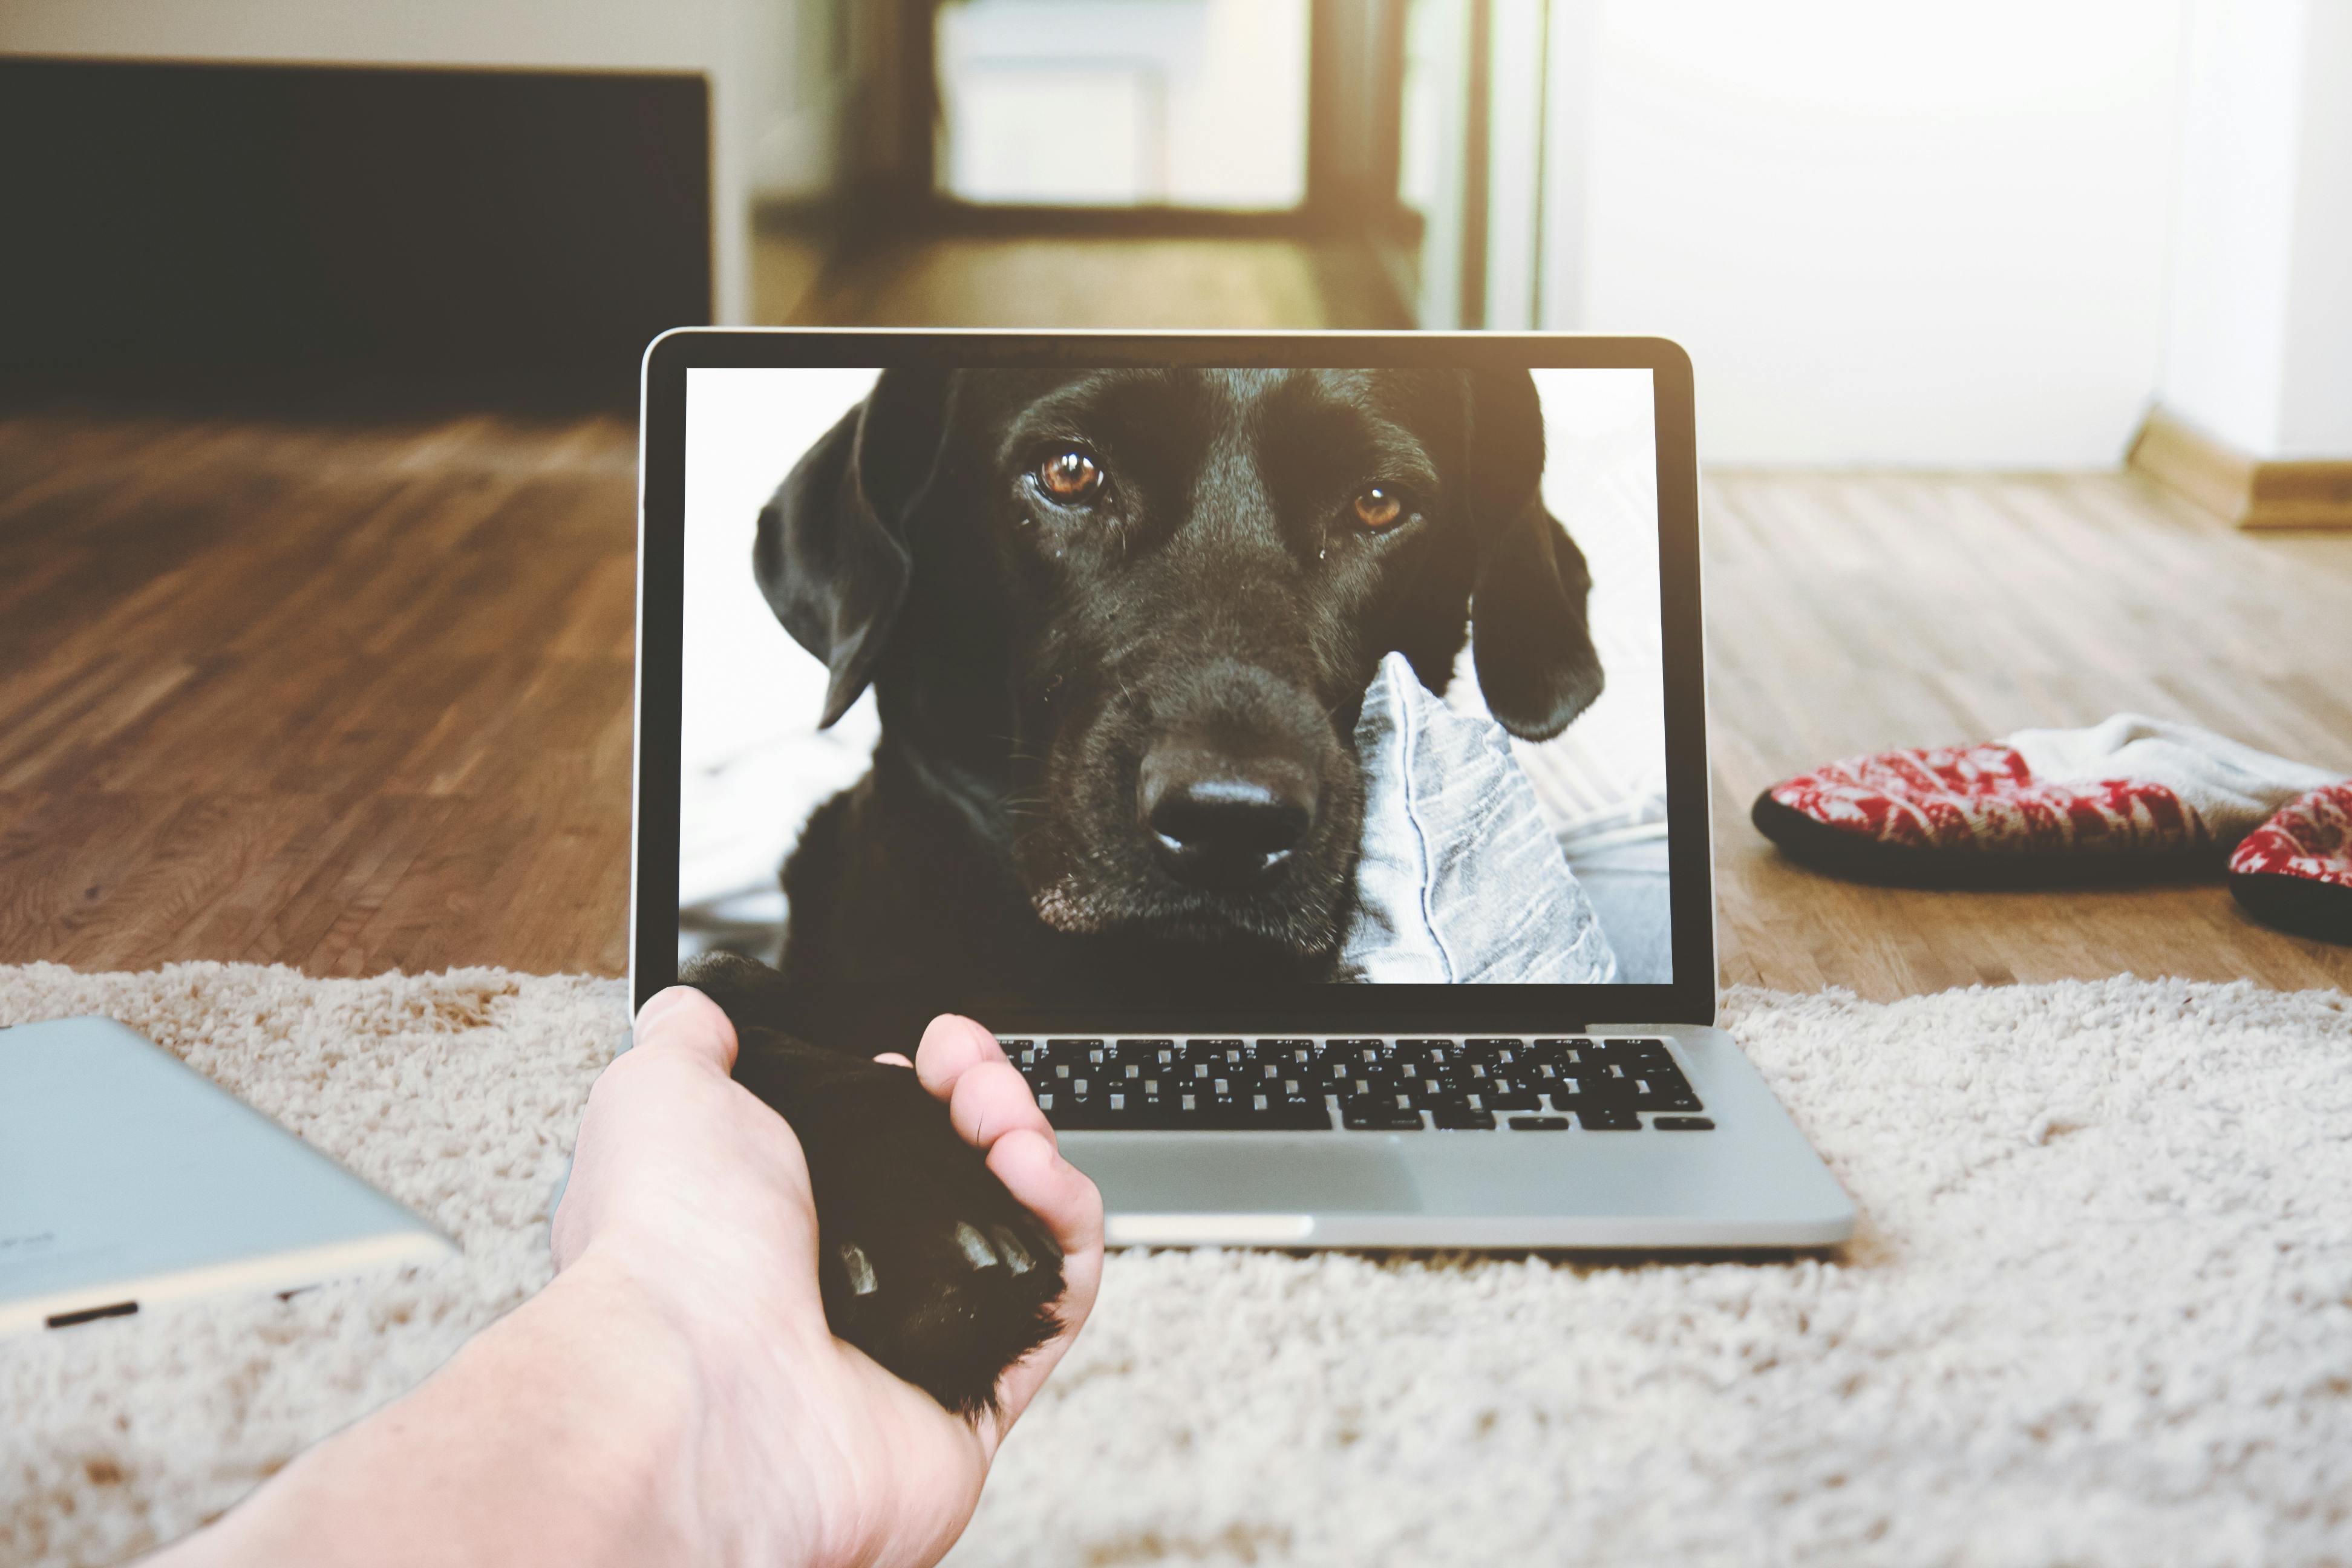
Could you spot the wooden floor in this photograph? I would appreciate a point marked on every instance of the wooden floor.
(355, 696)
(1010, 280)
(1851, 613)
(345, 696)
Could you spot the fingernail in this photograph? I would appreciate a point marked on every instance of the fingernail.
(663, 1002)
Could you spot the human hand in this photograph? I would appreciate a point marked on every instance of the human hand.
(688, 1205)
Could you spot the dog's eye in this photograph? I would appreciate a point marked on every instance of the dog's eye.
(1070, 475)
(1378, 507)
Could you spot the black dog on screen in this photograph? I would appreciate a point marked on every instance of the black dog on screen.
(1120, 624)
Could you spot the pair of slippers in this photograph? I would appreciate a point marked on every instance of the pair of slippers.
(2130, 799)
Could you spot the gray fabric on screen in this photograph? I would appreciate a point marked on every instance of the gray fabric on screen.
(1627, 884)
(1460, 880)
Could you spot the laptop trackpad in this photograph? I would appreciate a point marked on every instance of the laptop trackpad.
(1249, 1174)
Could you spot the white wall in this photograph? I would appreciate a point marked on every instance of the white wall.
(731, 41)
(2258, 344)
(1887, 233)
(2315, 410)
(793, 67)
(2225, 332)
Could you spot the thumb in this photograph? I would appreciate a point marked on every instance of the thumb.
(682, 1020)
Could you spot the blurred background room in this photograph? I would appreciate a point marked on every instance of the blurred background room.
(2023, 337)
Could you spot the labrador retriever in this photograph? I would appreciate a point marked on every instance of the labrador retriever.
(1118, 625)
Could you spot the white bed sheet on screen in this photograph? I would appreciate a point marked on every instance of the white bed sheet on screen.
(752, 763)
(754, 766)
(1608, 773)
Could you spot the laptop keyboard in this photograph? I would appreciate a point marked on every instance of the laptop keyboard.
(1367, 1085)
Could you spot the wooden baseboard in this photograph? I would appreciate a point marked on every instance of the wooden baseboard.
(2247, 492)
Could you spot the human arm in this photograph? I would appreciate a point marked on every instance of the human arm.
(674, 1394)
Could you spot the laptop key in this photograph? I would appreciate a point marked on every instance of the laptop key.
(1653, 1096)
(1067, 1114)
(1069, 1053)
(1682, 1123)
(1461, 1119)
(1134, 1092)
(1659, 1084)
(1371, 1116)
(1538, 1123)
(1592, 1089)
(1608, 1119)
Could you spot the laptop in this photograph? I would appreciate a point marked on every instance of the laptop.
(128, 1180)
(1292, 746)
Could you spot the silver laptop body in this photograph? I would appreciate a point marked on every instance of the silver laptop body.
(1599, 1111)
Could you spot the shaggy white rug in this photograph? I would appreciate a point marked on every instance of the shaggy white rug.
(2101, 1311)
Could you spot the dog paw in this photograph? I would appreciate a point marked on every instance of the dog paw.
(925, 1261)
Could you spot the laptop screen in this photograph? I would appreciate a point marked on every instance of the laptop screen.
(1017, 681)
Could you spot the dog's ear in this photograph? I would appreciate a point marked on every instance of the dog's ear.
(1536, 666)
(834, 554)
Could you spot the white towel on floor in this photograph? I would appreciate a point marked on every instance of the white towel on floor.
(2234, 787)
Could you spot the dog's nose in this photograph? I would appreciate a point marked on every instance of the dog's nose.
(1223, 821)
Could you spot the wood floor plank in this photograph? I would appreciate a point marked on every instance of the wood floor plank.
(303, 690)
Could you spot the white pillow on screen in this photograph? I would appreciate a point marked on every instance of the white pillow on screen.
(1460, 880)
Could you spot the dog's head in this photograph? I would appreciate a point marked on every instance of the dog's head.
(1136, 610)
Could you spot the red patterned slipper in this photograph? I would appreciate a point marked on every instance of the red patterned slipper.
(2129, 798)
(2295, 871)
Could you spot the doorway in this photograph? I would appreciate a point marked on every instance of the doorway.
(1191, 104)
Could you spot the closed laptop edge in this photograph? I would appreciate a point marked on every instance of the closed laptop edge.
(129, 1181)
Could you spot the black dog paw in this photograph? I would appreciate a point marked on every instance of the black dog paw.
(925, 1261)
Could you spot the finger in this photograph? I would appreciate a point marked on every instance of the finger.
(951, 1046)
(893, 1059)
(990, 1100)
(683, 1019)
(1060, 1195)
(1033, 1171)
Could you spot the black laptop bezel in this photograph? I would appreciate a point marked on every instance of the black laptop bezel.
(1389, 1010)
